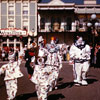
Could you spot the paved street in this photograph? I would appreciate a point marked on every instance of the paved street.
(66, 89)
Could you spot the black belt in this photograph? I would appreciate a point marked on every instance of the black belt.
(80, 60)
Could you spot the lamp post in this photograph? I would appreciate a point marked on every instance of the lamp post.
(93, 24)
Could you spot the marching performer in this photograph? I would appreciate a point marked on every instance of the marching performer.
(80, 54)
(12, 72)
(46, 72)
(29, 55)
(40, 75)
(54, 61)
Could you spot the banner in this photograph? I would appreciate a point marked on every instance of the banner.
(13, 31)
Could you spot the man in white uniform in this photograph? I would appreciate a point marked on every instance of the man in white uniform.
(80, 54)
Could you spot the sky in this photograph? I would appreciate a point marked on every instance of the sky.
(98, 1)
(70, 1)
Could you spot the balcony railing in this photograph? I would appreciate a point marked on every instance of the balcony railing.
(62, 28)
(49, 28)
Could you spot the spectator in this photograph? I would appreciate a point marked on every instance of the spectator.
(98, 56)
(3, 55)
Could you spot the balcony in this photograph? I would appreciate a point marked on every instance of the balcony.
(56, 27)
(63, 27)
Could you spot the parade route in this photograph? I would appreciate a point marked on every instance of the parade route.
(66, 88)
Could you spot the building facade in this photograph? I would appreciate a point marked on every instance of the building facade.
(21, 20)
(18, 22)
(65, 18)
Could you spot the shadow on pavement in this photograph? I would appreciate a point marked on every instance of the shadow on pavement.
(64, 85)
(29, 95)
(2, 82)
(55, 96)
(91, 76)
(71, 84)
(90, 81)
(60, 79)
(26, 96)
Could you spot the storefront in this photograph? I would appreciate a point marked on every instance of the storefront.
(13, 38)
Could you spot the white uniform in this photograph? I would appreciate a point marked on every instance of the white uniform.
(40, 75)
(80, 53)
(12, 72)
(54, 61)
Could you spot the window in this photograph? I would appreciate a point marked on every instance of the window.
(53, 20)
(11, 39)
(55, 23)
(25, 4)
(25, 24)
(69, 22)
(10, 12)
(42, 23)
(4, 45)
(11, 4)
(11, 45)
(81, 23)
(18, 45)
(11, 23)
(11, 18)
(25, 17)
(11, 8)
(25, 27)
(25, 8)
(25, 12)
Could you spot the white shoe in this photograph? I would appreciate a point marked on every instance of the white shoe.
(77, 81)
(56, 87)
(84, 78)
(84, 82)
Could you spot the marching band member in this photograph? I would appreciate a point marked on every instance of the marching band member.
(80, 53)
(12, 72)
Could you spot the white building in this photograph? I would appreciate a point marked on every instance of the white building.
(17, 16)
